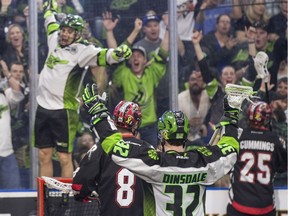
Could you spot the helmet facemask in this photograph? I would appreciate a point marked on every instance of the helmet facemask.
(127, 115)
(259, 115)
(173, 126)
(74, 22)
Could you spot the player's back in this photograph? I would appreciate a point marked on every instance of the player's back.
(120, 191)
(261, 155)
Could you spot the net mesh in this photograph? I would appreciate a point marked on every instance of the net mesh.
(237, 94)
(58, 203)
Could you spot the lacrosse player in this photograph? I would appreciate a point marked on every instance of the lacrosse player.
(59, 84)
(120, 192)
(178, 178)
(262, 154)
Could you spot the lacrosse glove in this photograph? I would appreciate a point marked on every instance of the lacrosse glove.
(231, 114)
(95, 103)
(121, 53)
(49, 7)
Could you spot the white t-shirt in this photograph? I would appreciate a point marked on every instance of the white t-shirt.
(11, 97)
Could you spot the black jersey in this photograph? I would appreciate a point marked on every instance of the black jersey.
(120, 191)
(262, 154)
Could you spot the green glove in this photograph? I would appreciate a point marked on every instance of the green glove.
(95, 103)
(49, 8)
(231, 115)
(121, 53)
(50, 5)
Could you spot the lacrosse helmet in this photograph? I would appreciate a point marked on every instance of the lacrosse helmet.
(127, 115)
(173, 126)
(75, 22)
(259, 114)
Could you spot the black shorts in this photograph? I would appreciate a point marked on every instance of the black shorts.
(55, 128)
(233, 212)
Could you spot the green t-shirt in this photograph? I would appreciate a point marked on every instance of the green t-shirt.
(141, 90)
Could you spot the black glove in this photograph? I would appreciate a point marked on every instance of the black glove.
(95, 103)
(231, 115)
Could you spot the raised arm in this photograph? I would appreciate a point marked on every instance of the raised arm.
(249, 77)
(137, 28)
(13, 83)
(109, 25)
(180, 45)
(13, 94)
(201, 57)
(196, 38)
(50, 8)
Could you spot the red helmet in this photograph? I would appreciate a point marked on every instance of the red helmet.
(127, 115)
(259, 114)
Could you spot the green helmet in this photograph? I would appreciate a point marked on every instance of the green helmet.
(73, 21)
(173, 125)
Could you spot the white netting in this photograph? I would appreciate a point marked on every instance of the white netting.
(260, 64)
(237, 94)
(55, 184)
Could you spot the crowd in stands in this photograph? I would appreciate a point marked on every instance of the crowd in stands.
(217, 41)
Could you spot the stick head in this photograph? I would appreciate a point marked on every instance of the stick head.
(53, 183)
(260, 63)
(236, 94)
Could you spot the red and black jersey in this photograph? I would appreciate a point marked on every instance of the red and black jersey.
(120, 191)
(262, 154)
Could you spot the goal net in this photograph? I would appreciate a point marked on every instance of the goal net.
(55, 202)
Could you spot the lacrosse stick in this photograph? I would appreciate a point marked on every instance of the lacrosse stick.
(260, 63)
(64, 187)
(236, 94)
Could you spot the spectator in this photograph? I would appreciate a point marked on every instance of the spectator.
(208, 12)
(109, 25)
(215, 88)
(151, 43)
(9, 171)
(185, 27)
(195, 103)
(219, 43)
(278, 23)
(17, 48)
(60, 80)
(255, 11)
(151, 29)
(261, 155)
(19, 121)
(276, 51)
(120, 191)
(174, 172)
(142, 79)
